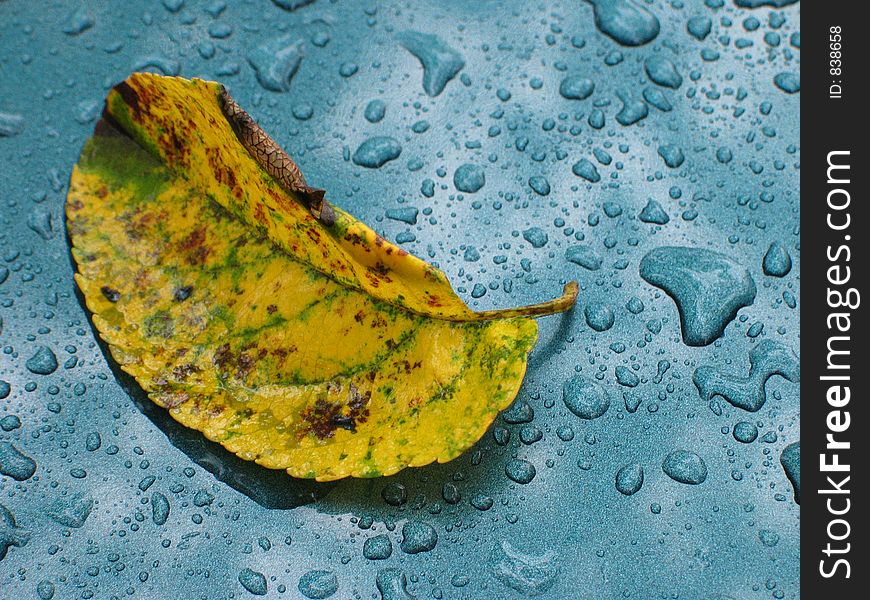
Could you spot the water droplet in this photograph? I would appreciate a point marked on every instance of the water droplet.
(540, 185)
(93, 441)
(759, 3)
(632, 111)
(318, 584)
(10, 423)
(406, 215)
(519, 412)
(699, 27)
(393, 585)
(520, 471)
(788, 82)
(536, 236)
(159, 508)
(303, 112)
(654, 213)
(468, 178)
(585, 256)
(745, 432)
(657, 98)
(585, 169)
(685, 467)
(394, 494)
(11, 124)
(291, 5)
(482, 502)
(766, 359)
(375, 111)
(625, 22)
(276, 62)
(528, 574)
(376, 152)
(663, 72)
(440, 62)
(14, 463)
(162, 64)
(672, 155)
(585, 398)
(253, 581)
(791, 464)
(599, 316)
(10, 533)
(173, 6)
(707, 287)
(626, 377)
(78, 22)
(43, 362)
(575, 87)
(768, 538)
(40, 222)
(378, 547)
(777, 261)
(629, 479)
(418, 537)
(45, 590)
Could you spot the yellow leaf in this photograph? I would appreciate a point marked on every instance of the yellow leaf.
(261, 315)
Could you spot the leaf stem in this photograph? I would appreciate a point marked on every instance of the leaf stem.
(564, 303)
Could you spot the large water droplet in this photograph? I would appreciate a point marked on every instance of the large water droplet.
(625, 22)
(377, 151)
(418, 537)
(440, 62)
(585, 398)
(14, 463)
(767, 359)
(43, 362)
(276, 62)
(707, 287)
(528, 574)
(662, 71)
(777, 261)
(468, 178)
(791, 464)
(393, 585)
(10, 533)
(575, 87)
(629, 479)
(685, 466)
(318, 584)
(253, 581)
(378, 547)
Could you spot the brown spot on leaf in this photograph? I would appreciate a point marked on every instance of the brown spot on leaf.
(380, 269)
(170, 399)
(193, 245)
(322, 419)
(239, 364)
(182, 372)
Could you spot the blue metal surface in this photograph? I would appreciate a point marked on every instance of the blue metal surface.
(90, 467)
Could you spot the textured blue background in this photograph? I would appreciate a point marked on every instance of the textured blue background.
(733, 536)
